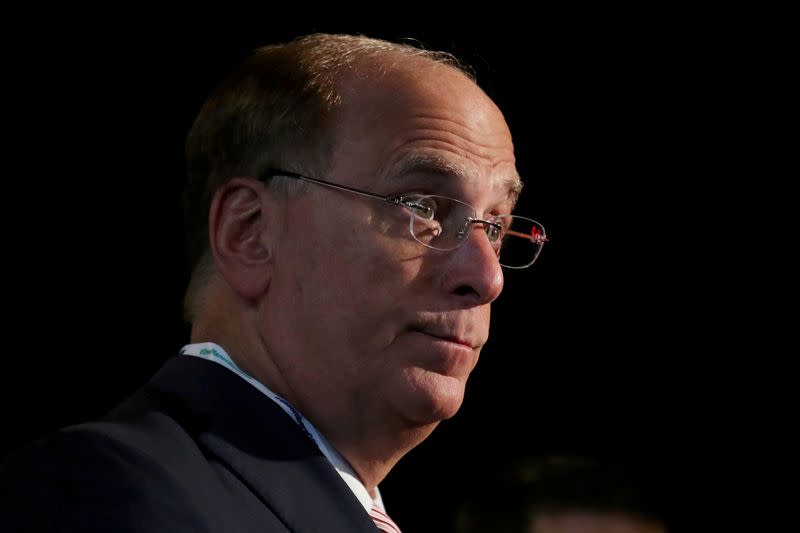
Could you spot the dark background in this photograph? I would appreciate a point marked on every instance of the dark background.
(609, 346)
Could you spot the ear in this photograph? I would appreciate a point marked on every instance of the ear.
(242, 229)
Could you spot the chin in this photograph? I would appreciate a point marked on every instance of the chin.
(431, 398)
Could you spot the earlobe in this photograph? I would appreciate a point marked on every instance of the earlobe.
(241, 229)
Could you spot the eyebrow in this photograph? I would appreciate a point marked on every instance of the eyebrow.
(433, 163)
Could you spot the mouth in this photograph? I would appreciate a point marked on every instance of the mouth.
(445, 336)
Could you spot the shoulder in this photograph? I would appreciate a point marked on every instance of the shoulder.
(89, 478)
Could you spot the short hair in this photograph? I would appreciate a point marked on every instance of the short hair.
(276, 110)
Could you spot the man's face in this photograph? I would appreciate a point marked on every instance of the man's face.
(360, 317)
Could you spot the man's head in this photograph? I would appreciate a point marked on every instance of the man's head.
(276, 110)
(352, 314)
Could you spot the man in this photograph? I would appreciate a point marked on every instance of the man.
(339, 300)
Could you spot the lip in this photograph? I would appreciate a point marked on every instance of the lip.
(445, 336)
(443, 351)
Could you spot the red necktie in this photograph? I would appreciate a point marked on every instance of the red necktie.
(383, 522)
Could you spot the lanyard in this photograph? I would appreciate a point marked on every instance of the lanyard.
(212, 352)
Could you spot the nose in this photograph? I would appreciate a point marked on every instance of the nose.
(474, 274)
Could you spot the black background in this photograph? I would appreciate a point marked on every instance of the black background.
(608, 346)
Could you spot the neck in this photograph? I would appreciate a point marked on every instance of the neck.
(371, 446)
(228, 322)
(373, 449)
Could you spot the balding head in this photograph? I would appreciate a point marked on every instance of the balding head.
(276, 110)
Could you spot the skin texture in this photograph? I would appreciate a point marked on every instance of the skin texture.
(325, 297)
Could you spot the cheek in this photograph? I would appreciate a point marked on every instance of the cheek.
(389, 271)
(349, 272)
(363, 271)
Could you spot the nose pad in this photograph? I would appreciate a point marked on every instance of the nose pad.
(487, 226)
(465, 229)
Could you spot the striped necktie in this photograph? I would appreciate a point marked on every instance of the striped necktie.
(383, 521)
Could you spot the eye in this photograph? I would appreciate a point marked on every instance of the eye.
(493, 232)
(423, 211)
(424, 208)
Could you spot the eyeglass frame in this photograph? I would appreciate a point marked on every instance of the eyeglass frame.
(401, 200)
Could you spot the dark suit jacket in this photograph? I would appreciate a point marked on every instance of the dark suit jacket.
(197, 449)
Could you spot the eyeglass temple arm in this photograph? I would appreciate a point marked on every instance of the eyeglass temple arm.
(535, 238)
(392, 199)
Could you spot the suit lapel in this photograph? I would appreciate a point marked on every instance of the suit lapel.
(260, 444)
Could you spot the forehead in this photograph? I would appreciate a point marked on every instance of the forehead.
(432, 164)
(424, 118)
